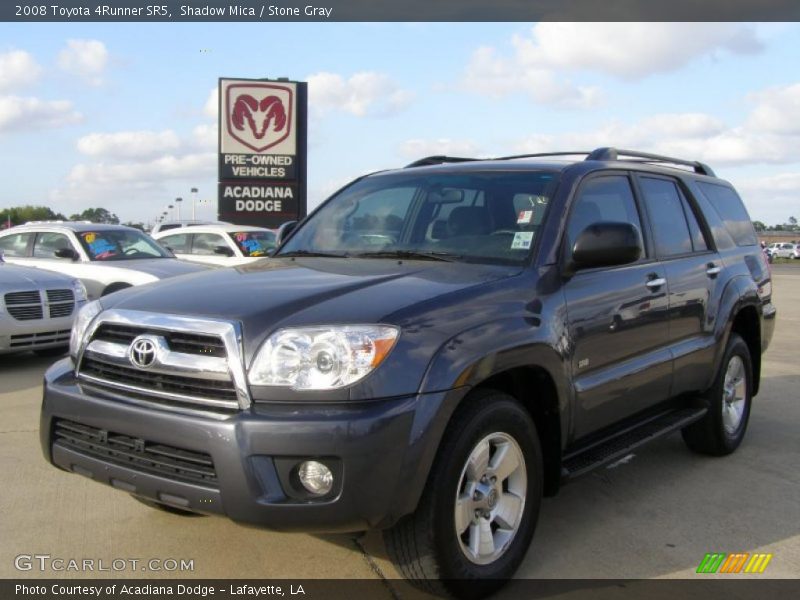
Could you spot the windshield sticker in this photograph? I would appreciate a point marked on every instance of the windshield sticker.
(522, 240)
(99, 247)
(250, 246)
(524, 217)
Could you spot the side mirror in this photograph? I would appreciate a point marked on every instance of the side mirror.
(66, 253)
(284, 231)
(223, 250)
(605, 244)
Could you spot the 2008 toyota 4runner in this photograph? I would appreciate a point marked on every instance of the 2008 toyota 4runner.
(429, 353)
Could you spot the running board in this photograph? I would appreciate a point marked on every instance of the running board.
(618, 446)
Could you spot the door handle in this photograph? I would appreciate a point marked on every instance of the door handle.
(713, 270)
(656, 283)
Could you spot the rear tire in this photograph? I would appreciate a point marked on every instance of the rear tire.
(165, 508)
(723, 427)
(479, 509)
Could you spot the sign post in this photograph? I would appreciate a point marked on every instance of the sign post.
(262, 151)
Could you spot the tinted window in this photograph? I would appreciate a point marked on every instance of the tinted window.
(607, 199)
(206, 243)
(47, 244)
(670, 230)
(730, 209)
(178, 243)
(16, 244)
(698, 239)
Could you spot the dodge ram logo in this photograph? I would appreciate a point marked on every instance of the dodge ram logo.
(258, 115)
(142, 352)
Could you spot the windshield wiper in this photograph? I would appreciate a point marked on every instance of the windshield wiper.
(410, 255)
(310, 253)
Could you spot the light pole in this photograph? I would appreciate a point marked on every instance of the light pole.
(178, 203)
(194, 200)
(170, 206)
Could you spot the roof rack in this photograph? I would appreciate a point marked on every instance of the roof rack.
(597, 154)
(437, 160)
(616, 153)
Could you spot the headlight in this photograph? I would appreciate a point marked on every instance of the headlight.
(85, 317)
(321, 358)
(79, 290)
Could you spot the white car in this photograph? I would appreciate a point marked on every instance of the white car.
(784, 250)
(106, 258)
(36, 309)
(221, 244)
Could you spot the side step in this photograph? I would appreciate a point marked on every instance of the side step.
(613, 448)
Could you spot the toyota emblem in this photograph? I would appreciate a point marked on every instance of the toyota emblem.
(142, 352)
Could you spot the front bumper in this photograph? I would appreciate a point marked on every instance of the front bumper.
(19, 336)
(382, 452)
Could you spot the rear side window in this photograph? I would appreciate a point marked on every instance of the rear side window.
(670, 230)
(15, 245)
(730, 209)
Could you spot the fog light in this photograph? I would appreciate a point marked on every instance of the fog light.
(315, 477)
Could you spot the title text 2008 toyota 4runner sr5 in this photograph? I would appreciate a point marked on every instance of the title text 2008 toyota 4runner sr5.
(429, 353)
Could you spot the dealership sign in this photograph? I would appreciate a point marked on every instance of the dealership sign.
(262, 151)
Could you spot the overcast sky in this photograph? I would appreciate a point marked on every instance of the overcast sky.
(124, 116)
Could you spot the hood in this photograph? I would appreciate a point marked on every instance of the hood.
(293, 292)
(158, 267)
(14, 276)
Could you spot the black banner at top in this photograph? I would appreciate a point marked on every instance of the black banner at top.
(394, 10)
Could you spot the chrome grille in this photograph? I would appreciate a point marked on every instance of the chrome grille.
(196, 365)
(187, 343)
(158, 382)
(24, 306)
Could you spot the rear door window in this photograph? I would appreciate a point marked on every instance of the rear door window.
(665, 207)
(178, 243)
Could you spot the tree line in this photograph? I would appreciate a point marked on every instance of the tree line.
(17, 215)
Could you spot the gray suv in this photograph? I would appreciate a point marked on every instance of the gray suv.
(430, 353)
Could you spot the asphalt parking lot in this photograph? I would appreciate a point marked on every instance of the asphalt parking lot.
(654, 516)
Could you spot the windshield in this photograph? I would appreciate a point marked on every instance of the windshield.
(254, 243)
(477, 217)
(120, 244)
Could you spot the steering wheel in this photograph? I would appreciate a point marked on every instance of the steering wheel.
(131, 251)
(504, 232)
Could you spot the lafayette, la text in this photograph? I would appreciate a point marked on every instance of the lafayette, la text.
(235, 10)
(148, 589)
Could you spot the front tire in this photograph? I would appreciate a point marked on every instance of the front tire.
(479, 508)
(723, 427)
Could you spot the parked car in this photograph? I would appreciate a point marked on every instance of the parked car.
(106, 258)
(167, 225)
(784, 250)
(429, 353)
(37, 309)
(224, 245)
